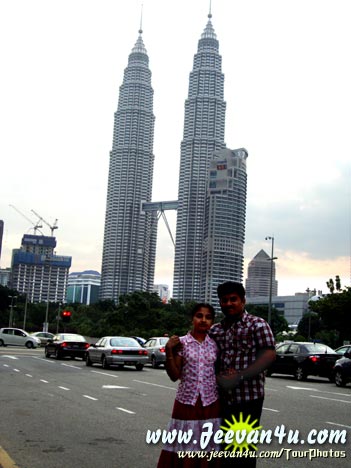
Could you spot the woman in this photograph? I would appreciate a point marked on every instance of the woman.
(191, 358)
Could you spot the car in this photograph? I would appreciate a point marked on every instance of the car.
(139, 339)
(18, 337)
(342, 368)
(43, 336)
(116, 351)
(302, 359)
(66, 344)
(156, 350)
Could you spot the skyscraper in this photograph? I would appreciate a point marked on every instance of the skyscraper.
(223, 247)
(129, 247)
(204, 125)
(259, 276)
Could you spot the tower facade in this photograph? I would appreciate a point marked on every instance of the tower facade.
(129, 247)
(223, 246)
(204, 126)
(259, 276)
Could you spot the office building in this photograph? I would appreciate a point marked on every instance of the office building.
(204, 126)
(225, 214)
(83, 287)
(1, 234)
(163, 291)
(38, 272)
(5, 276)
(259, 276)
(129, 247)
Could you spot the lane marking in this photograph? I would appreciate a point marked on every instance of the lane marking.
(302, 388)
(155, 385)
(6, 365)
(331, 399)
(16, 370)
(70, 365)
(64, 388)
(28, 375)
(270, 409)
(90, 397)
(10, 357)
(125, 410)
(104, 373)
(336, 424)
(113, 386)
(44, 381)
(320, 391)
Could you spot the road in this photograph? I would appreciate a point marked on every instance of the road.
(63, 414)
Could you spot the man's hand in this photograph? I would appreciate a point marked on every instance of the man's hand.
(228, 381)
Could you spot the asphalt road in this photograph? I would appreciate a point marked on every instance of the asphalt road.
(63, 414)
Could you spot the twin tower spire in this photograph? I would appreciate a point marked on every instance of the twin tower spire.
(129, 247)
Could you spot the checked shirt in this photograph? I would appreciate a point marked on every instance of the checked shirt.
(239, 345)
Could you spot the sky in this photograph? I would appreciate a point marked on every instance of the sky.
(288, 94)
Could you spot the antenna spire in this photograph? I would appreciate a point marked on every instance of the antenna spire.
(210, 10)
(141, 20)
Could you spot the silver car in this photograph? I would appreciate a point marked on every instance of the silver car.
(43, 336)
(18, 337)
(116, 351)
(156, 350)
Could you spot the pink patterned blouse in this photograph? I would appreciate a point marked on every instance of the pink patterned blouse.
(198, 372)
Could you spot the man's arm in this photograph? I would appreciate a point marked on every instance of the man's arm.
(264, 359)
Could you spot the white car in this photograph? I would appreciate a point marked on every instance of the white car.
(18, 337)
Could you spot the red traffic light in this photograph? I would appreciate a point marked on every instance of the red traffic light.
(66, 315)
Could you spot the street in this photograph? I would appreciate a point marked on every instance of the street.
(58, 413)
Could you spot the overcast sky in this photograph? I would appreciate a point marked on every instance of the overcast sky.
(288, 95)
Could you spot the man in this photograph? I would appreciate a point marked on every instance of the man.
(247, 348)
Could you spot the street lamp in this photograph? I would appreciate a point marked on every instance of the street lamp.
(11, 310)
(271, 238)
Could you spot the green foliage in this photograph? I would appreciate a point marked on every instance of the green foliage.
(278, 321)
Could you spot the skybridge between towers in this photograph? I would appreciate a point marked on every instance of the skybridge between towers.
(160, 208)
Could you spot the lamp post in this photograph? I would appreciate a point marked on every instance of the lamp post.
(11, 310)
(269, 319)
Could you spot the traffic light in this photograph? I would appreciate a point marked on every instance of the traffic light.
(66, 316)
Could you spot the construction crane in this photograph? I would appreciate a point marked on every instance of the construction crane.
(52, 227)
(36, 226)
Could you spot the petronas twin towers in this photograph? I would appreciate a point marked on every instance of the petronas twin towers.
(212, 185)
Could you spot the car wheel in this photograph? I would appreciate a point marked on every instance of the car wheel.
(29, 344)
(104, 363)
(47, 354)
(139, 367)
(339, 379)
(300, 374)
(88, 361)
(57, 354)
(2, 343)
(154, 362)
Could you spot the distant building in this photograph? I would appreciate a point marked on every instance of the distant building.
(291, 307)
(163, 291)
(1, 234)
(259, 276)
(38, 272)
(83, 287)
(5, 276)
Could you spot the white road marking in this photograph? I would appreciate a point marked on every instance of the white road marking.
(90, 397)
(303, 388)
(319, 391)
(70, 365)
(104, 373)
(64, 388)
(125, 410)
(113, 386)
(336, 424)
(270, 409)
(44, 381)
(10, 357)
(6, 365)
(28, 375)
(16, 370)
(331, 399)
(155, 385)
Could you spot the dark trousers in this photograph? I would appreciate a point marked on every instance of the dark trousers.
(254, 410)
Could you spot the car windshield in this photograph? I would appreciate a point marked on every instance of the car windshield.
(123, 342)
(163, 341)
(68, 337)
(319, 348)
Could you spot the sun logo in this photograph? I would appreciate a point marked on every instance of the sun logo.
(241, 439)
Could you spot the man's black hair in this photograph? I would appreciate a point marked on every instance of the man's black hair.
(230, 287)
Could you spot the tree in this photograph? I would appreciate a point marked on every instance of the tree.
(278, 321)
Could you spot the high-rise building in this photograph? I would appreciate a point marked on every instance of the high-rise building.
(163, 291)
(83, 287)
(37, 271)
(223, 246)
(1, 234)
(129, 248)
(204, 126)
(258, 281)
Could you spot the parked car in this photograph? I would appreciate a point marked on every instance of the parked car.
(303, 359)
(156, 350)
(66, 344)
(116, 351)
(342, 368)
(43, 336)
(17, 337)
(139, 339)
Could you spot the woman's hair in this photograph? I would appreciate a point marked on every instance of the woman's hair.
(199, 306)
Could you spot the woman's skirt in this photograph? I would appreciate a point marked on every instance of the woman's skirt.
(191, 432)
